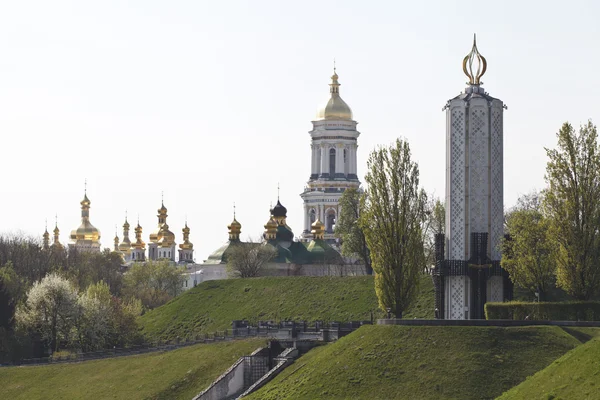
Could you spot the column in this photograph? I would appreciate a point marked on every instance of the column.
(324, 160)
(339, 158)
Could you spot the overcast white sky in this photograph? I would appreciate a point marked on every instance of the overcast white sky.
(211, 102)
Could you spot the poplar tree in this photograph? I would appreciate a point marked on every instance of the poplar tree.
(392, 217)
(572, 201)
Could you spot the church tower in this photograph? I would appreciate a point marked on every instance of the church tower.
(138, 249)
(86, 237)
(125, 246)
(333, 162)
(186, 249)
(56, 243)
(46, 238)
(162, 240)
(468, 272)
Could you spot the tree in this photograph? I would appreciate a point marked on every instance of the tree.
(347, 228)
(572, 202)
(106, 320)
(153, 282)
(246, 260)
(528, 254)
(392, 215)
(51, 310)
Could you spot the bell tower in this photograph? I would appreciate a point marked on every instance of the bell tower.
(333, 162)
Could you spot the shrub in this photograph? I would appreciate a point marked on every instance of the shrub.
(545, 311)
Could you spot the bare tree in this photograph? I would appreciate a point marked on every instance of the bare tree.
(247, 260)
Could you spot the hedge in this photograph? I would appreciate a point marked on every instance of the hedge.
(545, 311)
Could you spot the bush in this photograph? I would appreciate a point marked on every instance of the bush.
(550, 311)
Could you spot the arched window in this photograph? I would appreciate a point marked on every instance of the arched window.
(330, 221)
(332, 162)
(313, 215)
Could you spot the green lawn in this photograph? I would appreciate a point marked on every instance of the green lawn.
(576, 375)
(400, 362)
(212, 305)
(178, 374)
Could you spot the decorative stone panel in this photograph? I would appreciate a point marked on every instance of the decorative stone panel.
(457, 185)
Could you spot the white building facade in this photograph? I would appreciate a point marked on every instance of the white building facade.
(333, 162)
(468, 272)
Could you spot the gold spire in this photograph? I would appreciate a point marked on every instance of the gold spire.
(318, 230)
(474, 57)
(139, 243)
(46, 236)
(186, 245)
(156, 236)
(125, 246)
(335, 108)
(56, 242)
(86, 231)
(235, 228)
(116, 241)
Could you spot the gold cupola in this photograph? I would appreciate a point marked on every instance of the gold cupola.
(186, 245)
(56, 243)
(318, 230)
(46, 238)
(166, 238)
(270, 229)
(139, 243)
(156, 236)
(86, 234)
(125, 246)
(334, 108)
(474, 65)
(116, 241)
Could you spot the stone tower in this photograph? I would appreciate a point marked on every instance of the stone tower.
(333, 162)
(467, 272)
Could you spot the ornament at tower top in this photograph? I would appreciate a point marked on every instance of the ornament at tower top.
(474, 57)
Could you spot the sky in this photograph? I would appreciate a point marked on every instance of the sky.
(210, 103)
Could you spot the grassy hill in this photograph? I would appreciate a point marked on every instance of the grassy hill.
(178, 374)
(212, 305)
(397, 362)
(576, 375)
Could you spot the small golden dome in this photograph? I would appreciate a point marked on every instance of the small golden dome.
(318, 229)
(335, 108)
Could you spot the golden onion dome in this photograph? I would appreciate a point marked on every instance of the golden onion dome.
(335, 108)
(318, 229)
(86, 231)
(235, 225)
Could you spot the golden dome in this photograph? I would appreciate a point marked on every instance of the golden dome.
(166, 237)
(235, 228)
(186, 245)
(271, 229)
(318, 229)
(335, 108)
(86, 230)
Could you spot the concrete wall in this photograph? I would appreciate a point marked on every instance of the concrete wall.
(228, 384)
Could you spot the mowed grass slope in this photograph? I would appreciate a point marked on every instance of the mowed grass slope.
(576, 375)
(177, 374)
(212, 305)
(401, 362)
